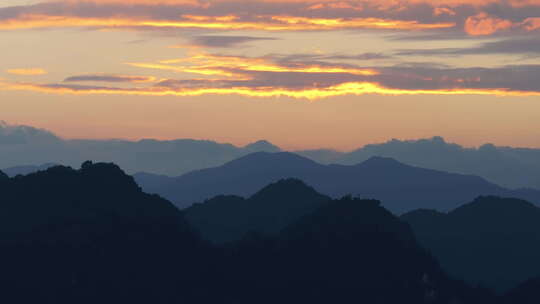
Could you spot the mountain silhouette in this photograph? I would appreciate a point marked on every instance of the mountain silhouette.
(356, 249)
(25, 145)
(400, 187)
(3, 176)
(22, 145)
(92, 236)
(506, 166)
(491, 241)
(25, 170)
(229, 218)
(262, 146)
(527, 292)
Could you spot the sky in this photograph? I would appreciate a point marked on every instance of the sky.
(300, 73)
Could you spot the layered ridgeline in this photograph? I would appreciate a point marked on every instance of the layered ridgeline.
(400, 187)
(491, 241)
(28, 169)
(92, 236)
(26, 146)
(507, 166)
(229, 218)
(23, 145)
(347, 251)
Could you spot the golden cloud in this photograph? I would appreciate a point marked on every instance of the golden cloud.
(229, 22)
(351, 88)
(231, 66)
(27, 72)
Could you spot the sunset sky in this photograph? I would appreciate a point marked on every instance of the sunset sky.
(299, 73)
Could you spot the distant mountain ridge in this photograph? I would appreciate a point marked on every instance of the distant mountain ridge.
(400, 187)
(28, 146)
(506, 166)
(25, 170)
(25, 145)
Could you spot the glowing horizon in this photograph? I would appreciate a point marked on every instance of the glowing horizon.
(478, 57)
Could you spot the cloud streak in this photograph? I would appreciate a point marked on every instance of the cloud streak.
(27, 72)
(228, 22)
(519, 46)
(210, 41)
(110, 78)
(352, 88)
(267, 77)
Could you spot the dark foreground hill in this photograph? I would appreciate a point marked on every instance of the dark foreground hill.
(230, 218)
(91, 236)
(400, 187)
(525, 293)
(492, 241)
(348, 251)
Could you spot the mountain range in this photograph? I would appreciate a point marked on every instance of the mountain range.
(490, 241)
(400, 187)
(25, 145)
(506, 166)
(91, 235)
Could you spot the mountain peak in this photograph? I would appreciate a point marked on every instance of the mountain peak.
(107, 175)
(379, 161)
(3, 175)
(262, 146)
(496, 205)
(287, 187)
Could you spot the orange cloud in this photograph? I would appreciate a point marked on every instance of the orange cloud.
(266, 23)
(137, 2)
(276, 15)
(531, 24)
(27, 72)
(372, 23)
(438, 11)
(452, 3)
(484, 24)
